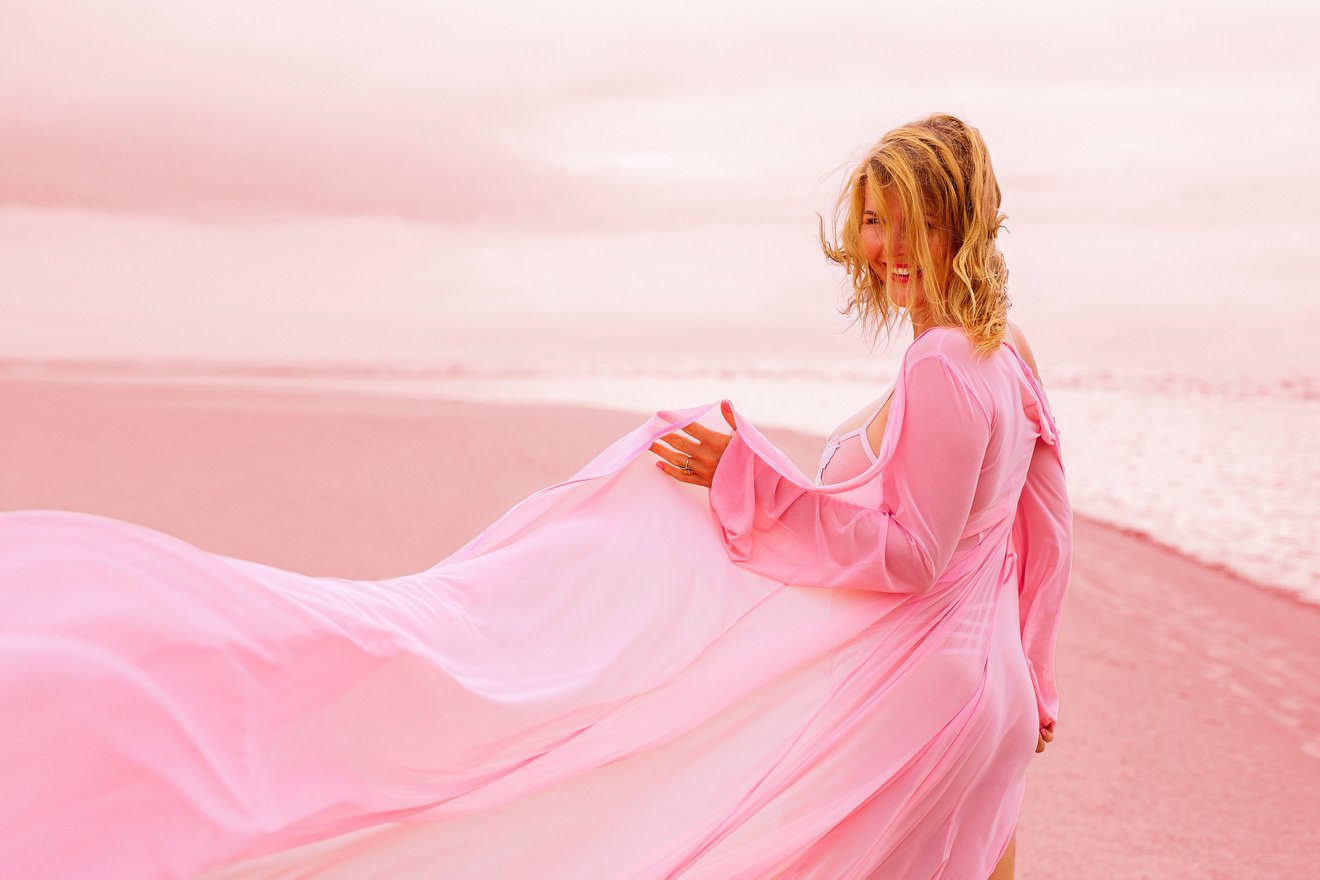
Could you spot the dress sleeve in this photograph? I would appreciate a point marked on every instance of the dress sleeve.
(1042, 539)
(799, 535)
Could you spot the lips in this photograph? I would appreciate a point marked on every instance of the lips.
(901, 273)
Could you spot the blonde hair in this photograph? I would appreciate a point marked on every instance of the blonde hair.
(940, 169)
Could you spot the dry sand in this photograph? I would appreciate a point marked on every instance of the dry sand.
(1189, 739)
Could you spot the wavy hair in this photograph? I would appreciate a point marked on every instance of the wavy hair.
(940, 169)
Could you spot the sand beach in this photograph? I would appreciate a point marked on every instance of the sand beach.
(1188, 743)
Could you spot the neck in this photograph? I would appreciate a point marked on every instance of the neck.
(919, 325)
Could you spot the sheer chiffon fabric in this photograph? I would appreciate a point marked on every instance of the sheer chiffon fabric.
(623, 676)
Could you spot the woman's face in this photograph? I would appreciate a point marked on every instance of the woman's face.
(888, 249)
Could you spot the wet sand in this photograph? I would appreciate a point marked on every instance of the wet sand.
(1188, 742)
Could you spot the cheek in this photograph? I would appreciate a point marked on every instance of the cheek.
(872, 249)
(939, 254)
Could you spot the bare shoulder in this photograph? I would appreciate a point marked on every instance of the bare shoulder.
(1020, 343)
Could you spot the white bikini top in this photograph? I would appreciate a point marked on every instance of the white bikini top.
(848, 454)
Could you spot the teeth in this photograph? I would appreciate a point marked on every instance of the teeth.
(903, 272)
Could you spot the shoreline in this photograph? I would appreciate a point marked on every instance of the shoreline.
(801, 447)
(1189, 721)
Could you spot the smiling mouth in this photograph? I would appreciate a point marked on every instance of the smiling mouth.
(902, 273)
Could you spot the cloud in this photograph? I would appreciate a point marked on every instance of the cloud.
(585, 114)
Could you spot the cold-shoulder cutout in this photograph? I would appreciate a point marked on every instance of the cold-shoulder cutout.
(1020, 345)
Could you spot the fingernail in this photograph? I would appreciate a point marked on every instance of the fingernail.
(659, 467)
(724, 405)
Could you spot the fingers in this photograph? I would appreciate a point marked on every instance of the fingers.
(702, 433)
(729, 413)
(680, 442)
(676, 462)
(678, 459)
(707, 452)
(700, 451)
(683, 476)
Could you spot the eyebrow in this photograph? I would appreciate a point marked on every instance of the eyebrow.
(872, 213)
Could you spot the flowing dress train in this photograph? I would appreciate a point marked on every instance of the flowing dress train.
(623, 676)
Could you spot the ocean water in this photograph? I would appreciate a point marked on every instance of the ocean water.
(1223, 471)
(1220, 468)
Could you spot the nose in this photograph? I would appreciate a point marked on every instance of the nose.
(895, 242)
(894, 235)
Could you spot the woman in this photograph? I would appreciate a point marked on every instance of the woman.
(918, 238)
(625, 675)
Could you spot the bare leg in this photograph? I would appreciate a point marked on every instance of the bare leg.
(1004, 870)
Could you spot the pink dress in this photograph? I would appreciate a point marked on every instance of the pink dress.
(623, 676)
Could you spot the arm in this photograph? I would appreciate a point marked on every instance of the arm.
(1042, 538)
(797, 535)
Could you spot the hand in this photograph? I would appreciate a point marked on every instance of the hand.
(1046, 735)
(705, 447)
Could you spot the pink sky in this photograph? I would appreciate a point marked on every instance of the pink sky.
(387, 180)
